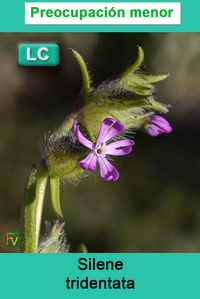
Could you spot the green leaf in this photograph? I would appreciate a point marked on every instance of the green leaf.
(85, 74)
(149, 78)
(139, 89)
(82, 248)
(136, 65)
(42, 178)
(154, 105)
(116, 103)
(55, 194)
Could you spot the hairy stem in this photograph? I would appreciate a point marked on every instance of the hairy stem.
(28, 240)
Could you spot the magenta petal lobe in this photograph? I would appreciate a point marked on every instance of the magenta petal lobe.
(119, 151)
(162, 124)
(107, 171)
(104, 128)
(157, 125)
(120, 143)
(81, 138)
(89, 163)
(119, 148)
(109, 128)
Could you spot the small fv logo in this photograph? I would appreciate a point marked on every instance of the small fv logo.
(13, 239)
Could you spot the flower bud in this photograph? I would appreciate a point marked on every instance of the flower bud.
(55, 239)
(156, 125)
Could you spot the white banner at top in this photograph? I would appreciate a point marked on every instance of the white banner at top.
(102, 13)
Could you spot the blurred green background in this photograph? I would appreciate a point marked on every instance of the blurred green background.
(155, 205)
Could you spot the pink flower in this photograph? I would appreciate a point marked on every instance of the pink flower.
(100, 149)
(157, 125)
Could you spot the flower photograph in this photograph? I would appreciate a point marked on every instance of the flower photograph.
(100, 153)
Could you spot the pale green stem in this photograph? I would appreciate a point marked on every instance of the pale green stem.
(28, 240)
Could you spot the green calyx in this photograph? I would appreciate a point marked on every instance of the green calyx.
(62, 155)
(64, 164)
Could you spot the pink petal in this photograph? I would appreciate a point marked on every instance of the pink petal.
(120, 143)
(109, 128)
(81, 138)
(153, 130)
(104, 128)
(89, 163)
(119, 152)
(162, 125)
(119, 148)
(159, 119)
(107, 171)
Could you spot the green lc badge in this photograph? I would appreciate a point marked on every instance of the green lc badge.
(38, 55)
